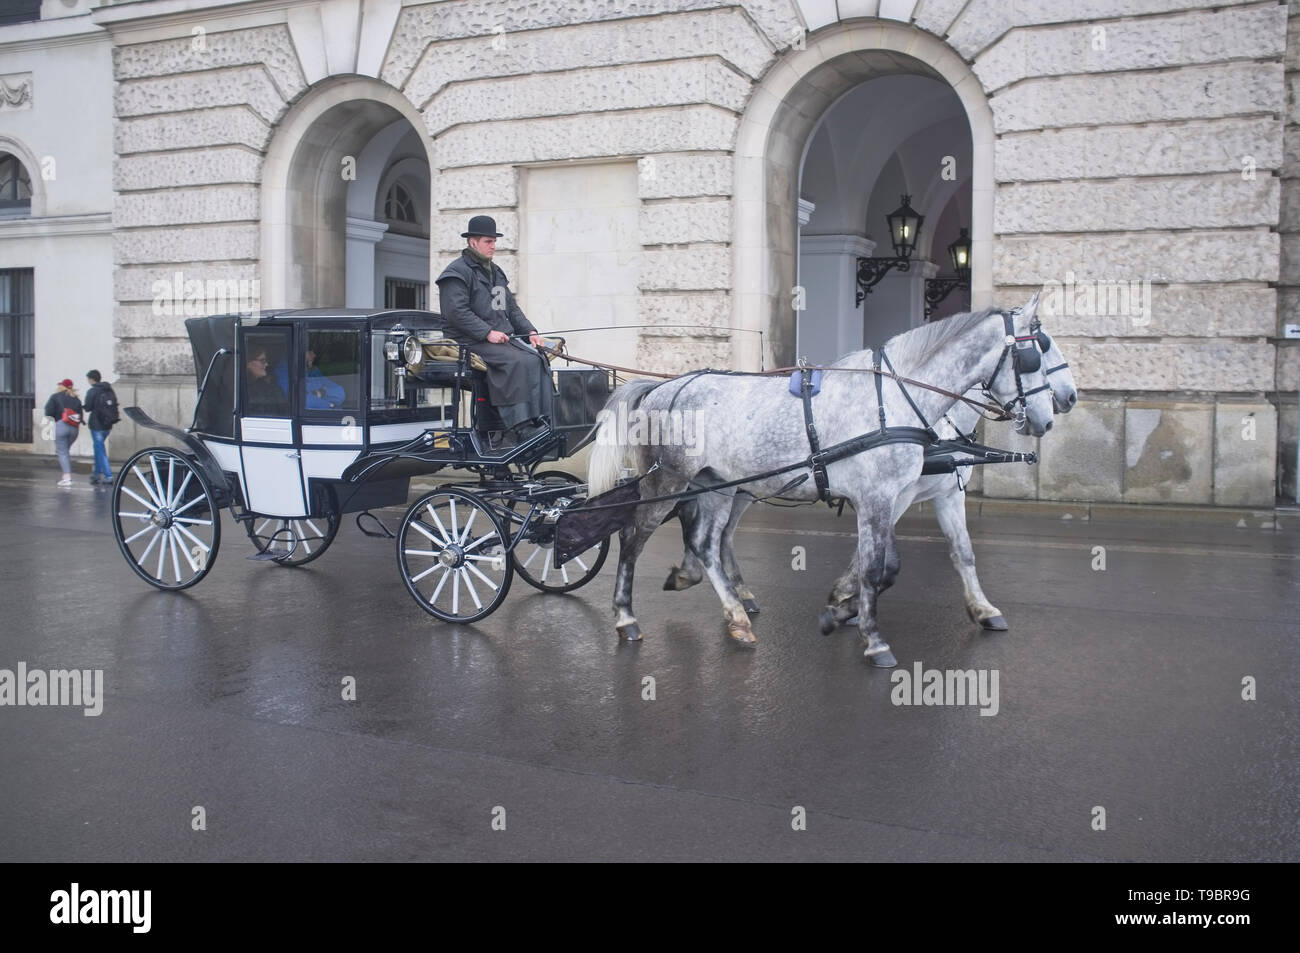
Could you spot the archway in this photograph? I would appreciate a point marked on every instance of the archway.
(775, 129)
(891, 136)
(324, 221)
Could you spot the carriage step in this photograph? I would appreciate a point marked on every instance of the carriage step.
(271, 557)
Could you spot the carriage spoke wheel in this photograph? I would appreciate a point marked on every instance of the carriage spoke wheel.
(534, 554)
(454, 556)
(292, 541)
(165, 518)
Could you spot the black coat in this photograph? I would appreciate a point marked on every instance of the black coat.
(59, 401)
(93, 396)
(465, 297)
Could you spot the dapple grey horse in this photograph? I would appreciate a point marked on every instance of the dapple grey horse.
(946, 491)
(749, 425)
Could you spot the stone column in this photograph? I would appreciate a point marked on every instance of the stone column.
(831, 324)
(363, 235)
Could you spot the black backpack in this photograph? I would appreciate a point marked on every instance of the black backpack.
(106, 411)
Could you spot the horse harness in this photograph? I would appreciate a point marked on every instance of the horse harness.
(939, 453)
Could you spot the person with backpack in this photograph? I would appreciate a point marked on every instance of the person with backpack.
(102, 412)
(64, 408)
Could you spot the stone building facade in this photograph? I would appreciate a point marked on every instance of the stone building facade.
(655, 168)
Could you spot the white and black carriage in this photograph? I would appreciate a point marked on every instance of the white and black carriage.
(304, 417)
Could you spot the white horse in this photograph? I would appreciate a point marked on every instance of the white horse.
(752, 427)
(947, 492)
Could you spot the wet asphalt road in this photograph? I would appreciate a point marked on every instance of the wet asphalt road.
(1118, 688)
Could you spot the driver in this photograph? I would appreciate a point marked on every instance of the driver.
(479, 310)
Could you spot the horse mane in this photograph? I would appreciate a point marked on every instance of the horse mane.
(912, 347)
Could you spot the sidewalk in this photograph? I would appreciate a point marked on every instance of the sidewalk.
(1282, 518)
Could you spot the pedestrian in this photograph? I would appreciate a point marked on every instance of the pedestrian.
(64, 408)
(480, 310)
(101, 413)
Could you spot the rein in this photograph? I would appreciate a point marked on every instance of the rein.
(989, 411)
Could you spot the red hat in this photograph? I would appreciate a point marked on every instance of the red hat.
(65, 383)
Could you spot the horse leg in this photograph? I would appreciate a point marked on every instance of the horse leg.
(690, 571)
(739, 504)
(879, 562)
(706, 543)
(842, 603)
(950, 508)
(632, 539)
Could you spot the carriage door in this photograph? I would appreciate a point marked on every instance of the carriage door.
(332, 428)
(268, 446)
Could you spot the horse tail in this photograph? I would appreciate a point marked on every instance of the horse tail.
(611, 454)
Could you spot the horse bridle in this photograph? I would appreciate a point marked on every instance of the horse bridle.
(1024, 360)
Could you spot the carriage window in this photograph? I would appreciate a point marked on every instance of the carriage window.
(332, 370)
(266, 375)
(391, 391)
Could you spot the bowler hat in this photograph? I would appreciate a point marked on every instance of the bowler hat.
(484, 226)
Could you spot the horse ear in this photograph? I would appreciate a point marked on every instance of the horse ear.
(1031, 310)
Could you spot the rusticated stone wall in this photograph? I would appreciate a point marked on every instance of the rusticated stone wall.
(195, 114)
(1133, 141)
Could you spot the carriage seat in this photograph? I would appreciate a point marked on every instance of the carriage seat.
(441, 365)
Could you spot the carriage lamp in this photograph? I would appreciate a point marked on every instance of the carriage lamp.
(936, 289)
(393, 346)
(412, 350)
(904, 229)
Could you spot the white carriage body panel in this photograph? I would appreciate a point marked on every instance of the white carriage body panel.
(401, 433)
(226, 455)
(272, 472)
(331, 434)
(273, 481)
(267, 430)
(325, 464)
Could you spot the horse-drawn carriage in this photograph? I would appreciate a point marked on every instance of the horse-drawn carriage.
(304, 417)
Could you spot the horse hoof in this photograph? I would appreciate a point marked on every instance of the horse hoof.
(995, 623)
(882, 658)
(677, 581)
(851, 620)
(751, 606)
(828, 622)
(631, 632)
(742, 634)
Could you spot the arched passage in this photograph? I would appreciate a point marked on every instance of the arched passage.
(774, 133)
(897, 135)
(322, 211)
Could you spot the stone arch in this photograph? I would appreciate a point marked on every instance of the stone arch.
(304, 192)
(18, 149)
(774, 129)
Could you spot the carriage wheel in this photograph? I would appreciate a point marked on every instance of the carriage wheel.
(454, 556)
(534, 557)
(292, 541)
(165, 518)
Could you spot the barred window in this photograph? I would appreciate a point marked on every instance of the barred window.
(398, 206)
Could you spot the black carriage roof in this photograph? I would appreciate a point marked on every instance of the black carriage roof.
(221, 327)
(384, 317)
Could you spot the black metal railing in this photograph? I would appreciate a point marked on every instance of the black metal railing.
(16, 418)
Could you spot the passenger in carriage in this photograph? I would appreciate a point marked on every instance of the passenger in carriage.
(480, 310)
(264, 398)
(319, 392)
